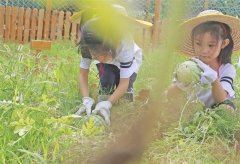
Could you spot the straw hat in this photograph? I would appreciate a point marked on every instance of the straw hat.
(205, 16)
(76, 17)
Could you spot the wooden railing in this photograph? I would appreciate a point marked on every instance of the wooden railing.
(23, 25)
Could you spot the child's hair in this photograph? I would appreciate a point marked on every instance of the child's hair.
(220, 31)
(92, 40)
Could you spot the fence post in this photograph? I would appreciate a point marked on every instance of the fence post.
(27, 21)
(20, 29)
(13, 28)
(60, 25)
(34, 24)
(156, 23)
(8, 23)
(53, 25)
(40, 24)
(2, 22)
(67, 25)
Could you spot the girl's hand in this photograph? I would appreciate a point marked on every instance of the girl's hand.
(86, 106)
(103, 108)
(208, 76)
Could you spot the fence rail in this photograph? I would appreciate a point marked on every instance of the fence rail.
(22, 25)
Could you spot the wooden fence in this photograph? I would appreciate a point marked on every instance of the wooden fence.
(22, 25)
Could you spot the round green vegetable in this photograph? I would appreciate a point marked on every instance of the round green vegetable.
(188, 73)
(98, 120)
(93, 119)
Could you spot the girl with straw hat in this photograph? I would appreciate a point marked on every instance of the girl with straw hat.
(210, 38)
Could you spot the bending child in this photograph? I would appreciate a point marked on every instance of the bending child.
(211, 38)
(118, 61)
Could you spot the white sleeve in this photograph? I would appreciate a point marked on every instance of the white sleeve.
(227, 77)
(128, 58)
(127, 68)
(128, 64)
(85, 63)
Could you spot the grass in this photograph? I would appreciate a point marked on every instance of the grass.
(36, 103)
(35, 100)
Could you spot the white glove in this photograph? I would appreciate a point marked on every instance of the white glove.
(85, 106)
(208, 76)
(103, 108)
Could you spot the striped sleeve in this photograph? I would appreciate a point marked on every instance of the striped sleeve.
(228, 80)
(228, 74)
(127, 62)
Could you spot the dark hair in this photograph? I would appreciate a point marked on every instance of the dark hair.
(220, 31)
(94, 37)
